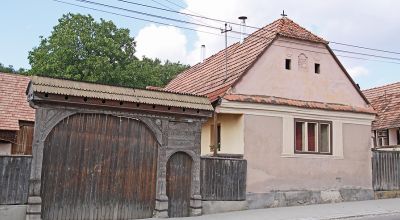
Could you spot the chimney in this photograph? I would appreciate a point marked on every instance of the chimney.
(203, 52)
(242, 28)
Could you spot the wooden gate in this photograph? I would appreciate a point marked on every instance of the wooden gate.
(385, 170)
(98, 166)
(179, 179)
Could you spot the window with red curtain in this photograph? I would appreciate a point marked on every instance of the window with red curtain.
(299, 136)
(311, 136)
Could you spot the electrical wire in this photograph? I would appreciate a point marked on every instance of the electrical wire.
(234, 23)
(148, 14)
(137, 18)
(192, 29)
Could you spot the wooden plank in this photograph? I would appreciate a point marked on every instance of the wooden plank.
(179, 178)
(99, 167)
(386, 170)
(14, 177)
(223, 179)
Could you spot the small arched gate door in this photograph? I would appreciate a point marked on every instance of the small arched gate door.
(179, 179)
(97, 166)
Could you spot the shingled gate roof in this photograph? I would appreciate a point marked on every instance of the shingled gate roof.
(116, 93)
(386, 101)
(13, 103)
(209, 77)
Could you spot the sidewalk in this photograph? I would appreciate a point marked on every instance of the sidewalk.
(345, 210)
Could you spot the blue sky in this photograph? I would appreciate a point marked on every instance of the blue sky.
(368, 23)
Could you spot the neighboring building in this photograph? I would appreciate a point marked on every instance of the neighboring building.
(288, 106)
(16, 116)
(386, 126)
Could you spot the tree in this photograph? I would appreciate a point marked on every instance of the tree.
(80, 48)
(10, 69)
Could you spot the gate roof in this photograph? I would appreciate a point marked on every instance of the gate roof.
(107, 92)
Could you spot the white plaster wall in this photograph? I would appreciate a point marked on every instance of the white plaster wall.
(232, 134)
(269, 149)
(269, 168)
(269, 77)
(5, 148)
(393, 136)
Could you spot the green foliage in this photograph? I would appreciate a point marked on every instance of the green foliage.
(10, 69)
(80, 48)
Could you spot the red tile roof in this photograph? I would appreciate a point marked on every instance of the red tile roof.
(296, 103)
(386, 101)
(209, 77)
(13, 102)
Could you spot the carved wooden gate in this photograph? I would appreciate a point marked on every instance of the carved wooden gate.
(98, 166)
(179, 179)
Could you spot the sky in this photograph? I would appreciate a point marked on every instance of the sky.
(373, 24)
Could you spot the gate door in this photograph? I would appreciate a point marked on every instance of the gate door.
(98, 166)
(179, 178)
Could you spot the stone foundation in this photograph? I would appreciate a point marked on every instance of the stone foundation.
(287, 198)
(387, 194)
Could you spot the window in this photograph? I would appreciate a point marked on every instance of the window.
(317, 68)
(314, 137)
(382, 138)
(398, 136)
(218, 137)
(288, 64)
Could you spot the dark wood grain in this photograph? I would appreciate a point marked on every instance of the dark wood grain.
(98, 166)
(386, 170)
(14, 176)
(223, 179)
(24, 138)
(179, 178)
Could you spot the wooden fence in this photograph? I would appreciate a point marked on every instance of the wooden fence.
(386, 170)
(14, 177)
(223, 179)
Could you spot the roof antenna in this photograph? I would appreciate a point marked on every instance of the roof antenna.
(225, 31)
(283, 14)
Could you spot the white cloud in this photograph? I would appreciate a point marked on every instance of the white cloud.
(163, 42)
(360, 22)
(358, 71)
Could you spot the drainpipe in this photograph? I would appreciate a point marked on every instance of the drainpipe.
(215, 133)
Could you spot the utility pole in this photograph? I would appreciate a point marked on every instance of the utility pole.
(225, 31)
(215, 125)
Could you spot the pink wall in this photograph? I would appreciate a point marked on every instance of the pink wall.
(268, 170)
(269, 77)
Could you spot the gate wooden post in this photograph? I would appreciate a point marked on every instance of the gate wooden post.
(45, 120)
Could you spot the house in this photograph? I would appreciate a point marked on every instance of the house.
(288, 106)
(16, 116)
(386, 126)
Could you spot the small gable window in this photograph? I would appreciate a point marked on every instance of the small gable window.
(288, 64)
(317, 68)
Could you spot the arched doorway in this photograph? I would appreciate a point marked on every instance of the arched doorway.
(98, 166)
(179, 180)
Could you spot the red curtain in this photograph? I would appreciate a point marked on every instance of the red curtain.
(299, 136)
(311, 137)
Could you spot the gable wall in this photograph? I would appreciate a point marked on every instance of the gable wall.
(269, 77)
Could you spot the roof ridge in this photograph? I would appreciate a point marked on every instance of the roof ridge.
(378, 87)
(105, 84)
